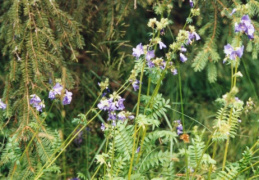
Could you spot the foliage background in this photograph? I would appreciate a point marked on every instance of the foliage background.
(110, 29)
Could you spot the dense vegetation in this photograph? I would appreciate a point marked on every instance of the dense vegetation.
(118, 89)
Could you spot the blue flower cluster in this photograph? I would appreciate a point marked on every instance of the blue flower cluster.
(113, 104)
(179, 127)
(245, 26)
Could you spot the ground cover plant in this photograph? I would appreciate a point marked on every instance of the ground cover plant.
(120, 89)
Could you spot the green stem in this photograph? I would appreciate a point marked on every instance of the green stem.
(213, 156)
(96, 172)
(137, 112)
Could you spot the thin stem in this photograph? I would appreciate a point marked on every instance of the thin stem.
(135, 128)
(96, 171)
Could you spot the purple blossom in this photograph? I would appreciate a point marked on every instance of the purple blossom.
(138, 51)
(138, 149)
(34, 99)
(135, 85)
(114, 123)
(112, 116)
(191, 3)
(122, 116)
(39, 106)
(67, 98)
(119, 104)
(102, 127)
(174, 71)
(193, 36)
(2, 105)
(36, 102)
(183, 49)
(150, 64)
(233, 11)
(57, 89)
(104, 104)
(111, 104)
(161, 45)
(183, 58)
(233, 54)
(245, 26)
(179, 129)
(150, 55)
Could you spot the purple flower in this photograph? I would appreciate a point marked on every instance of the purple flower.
(122, 115)
(245, 26)
(67, 98)
(193, 36)
(179, 129)
(36, 102)
(2, 105)
(112, 116)
(39, 106)
(174, 71)
(161, 45)
(104, 104)
(135, 85)
(191, 3)
(233, 11)
(102, 127)
(34, 99)
(150, 55)
(183, 49)
(119, 104)
(114, 123)
(55, 90)
(233, 54)
(150, 64)
(183, 58)
(138, 149)
(138, 51)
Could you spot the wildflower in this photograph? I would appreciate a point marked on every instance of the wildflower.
(2, 105)
(233, 54)
(36, 102)
(114, 123)
(112, 116)
(40, 106)
(104, 85)
(138, 51)
(150, 55)
(135, 85)
(138, 149)
(183, 58)
(55, 90)
(174, 71)
(193, 36)
(122, 115)
(102, 127)
(67, 98)
(161, 45)
(104, 104)
(152, 23)
(233, 11)
(191, 3)
(179, 127)
(150, 64)
(183, 49)
(34, 99)
(245, 26)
